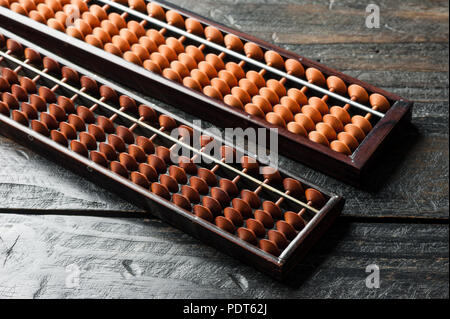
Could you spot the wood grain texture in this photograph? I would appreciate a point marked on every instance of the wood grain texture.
(408, 56)
(135, 258)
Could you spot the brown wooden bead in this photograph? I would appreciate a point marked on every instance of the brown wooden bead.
(278, 238)
(59, 138)
(256, 226)
(247, 235)
(203, 213)
(233, 215)
(225, 224)
(79, 148)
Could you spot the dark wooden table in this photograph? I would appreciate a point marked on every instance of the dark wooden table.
(54, 222)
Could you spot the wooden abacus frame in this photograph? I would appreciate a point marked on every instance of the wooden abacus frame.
(353, 169)
(278, 267)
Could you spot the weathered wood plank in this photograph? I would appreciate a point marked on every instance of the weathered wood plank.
(133, 258)
(332, 21)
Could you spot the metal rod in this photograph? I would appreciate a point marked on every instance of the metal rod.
(157, 131)
(241, 57)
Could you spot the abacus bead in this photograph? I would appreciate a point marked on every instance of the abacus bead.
(160, 190)
(319, 104)
(93, 40)
(140, 179)
(45, 11)
(318, 138)
(148, 171)
(247, 235)
(269, 247)
(315, 76)
(109, 27)
(233, 43)
(156, 11)
(200, 77)
(228, 77)
(20, 117)
(254, 51)
(175, 44)
(221, 85)
(333, 82)
(152, 66)
(212, 92)
(254, 109)
(102, 35)
(174, 18)
(298, 96)
(248, 86)
(193, 26)
(172, 75)
(91, 19)
(61, 17)
(291, 104)
(278, 238)
(192, 83)
(312, 113)
(256, 78)
(294, 67)
(98, 11)
(262, 102)
(235, 69)
(362, 123)
(284, 112)
(79, 148)
(233, 215)
(37, 16)
(256, 226)
(55, 24)
(380, 102)
(203, 213)
(138, 5)
(274, 59)
(80, 4)
(333, 122)
(160, 59)
(264, 217)
(195, 53)
(241, 94)
(215, 61)
(326, 130)
(140, 51)
(270, 95)
(83, 26)
(275, 119)
(354, 130)
(181, 201)
(117, 20)
(148, 43)
(341, 114)
(277, 87)
(296, 128)
(348, 140)
(314, 196)
(213, 34)
(187, 60)
(155, 36)
(294, 220)
(18, 8)
(340, 147)
(359, 93)
(286, 228)
(29, 5)
(208, 69)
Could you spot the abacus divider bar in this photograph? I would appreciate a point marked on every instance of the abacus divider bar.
(242, 57)
(157, 131)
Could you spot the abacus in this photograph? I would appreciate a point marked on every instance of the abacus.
(257, 213)
(325, 119)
